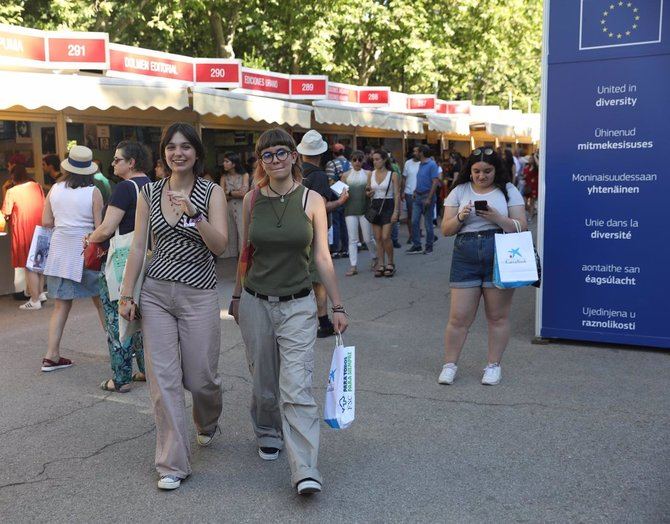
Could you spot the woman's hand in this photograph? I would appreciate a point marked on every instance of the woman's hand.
(235, 310)
(128, 309)
(491, 214)
(85, 240)
(394, 217)
(183, 201)
(464, 212)
(340, 322)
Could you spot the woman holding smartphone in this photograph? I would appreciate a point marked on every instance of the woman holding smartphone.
(481, 204)
(276, 307)
(187, 218)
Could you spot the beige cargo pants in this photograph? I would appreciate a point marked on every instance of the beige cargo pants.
(279, 339)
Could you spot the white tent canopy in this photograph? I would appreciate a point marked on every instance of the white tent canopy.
(220, 103)
(327, 112)
(56, 91)
(458, 125)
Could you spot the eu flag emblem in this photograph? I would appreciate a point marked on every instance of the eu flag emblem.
(614, 23)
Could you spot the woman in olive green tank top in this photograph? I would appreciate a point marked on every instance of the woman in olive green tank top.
(274, 305)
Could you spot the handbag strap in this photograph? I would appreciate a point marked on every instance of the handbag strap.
(389, 186)
(517, 225)
(117, 233)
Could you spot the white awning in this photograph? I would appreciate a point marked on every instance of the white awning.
(500, 130)
(33, 90)
(326, 112)
(258, 108)
(458, 125)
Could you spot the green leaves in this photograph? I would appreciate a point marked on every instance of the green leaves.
(462, 49)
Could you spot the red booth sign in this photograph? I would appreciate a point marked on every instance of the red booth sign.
(72, 50)
(342, 93)
(309, 86)
(421, 103)
(134, 62)
(22, 47)
(218, 72)
(373, 96)
(461, 107)
(265, 83)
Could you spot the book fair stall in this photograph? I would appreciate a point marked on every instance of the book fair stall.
(62, 88)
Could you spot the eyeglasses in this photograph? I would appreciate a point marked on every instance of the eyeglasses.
(280, 154)
(482, 152)
(116, 160)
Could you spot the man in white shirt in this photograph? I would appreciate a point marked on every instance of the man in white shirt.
(408, 185)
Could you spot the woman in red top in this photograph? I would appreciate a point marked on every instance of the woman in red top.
(23, 206)
(531, 175)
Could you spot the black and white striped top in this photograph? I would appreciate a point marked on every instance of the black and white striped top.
(179, 253)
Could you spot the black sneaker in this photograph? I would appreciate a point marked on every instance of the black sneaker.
(308, 487)
(409, 241)
(364, 247)
(268, 453)
(414, 250)
(428, 251)
(325, 331)
(396, 245)
(434, 238)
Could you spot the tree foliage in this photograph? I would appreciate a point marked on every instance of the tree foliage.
(480, 50)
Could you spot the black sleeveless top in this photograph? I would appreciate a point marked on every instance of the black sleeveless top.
(179, 252)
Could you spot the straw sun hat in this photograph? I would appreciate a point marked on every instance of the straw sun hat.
(80, 161)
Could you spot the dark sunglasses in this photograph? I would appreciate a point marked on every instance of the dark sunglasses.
(281, 154)
(360, 159)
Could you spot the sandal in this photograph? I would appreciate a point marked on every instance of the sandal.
(105, 386)
(390, 270)
(352, 271)
(373, 264)
(379, 272)
(139, 377)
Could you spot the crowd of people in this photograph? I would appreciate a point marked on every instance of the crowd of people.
(161, 240)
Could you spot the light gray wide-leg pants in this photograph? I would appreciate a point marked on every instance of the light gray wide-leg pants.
(182, 338)
(279, 339)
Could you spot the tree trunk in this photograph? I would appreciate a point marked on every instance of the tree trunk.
(224, 33)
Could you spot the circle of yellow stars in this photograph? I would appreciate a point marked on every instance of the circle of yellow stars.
(621, 5)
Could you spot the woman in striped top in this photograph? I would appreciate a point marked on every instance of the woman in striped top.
(187, 218)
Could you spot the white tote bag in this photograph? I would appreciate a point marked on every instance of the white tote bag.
(117, 255)
(340, 406)
(514, 262)
(39, 249)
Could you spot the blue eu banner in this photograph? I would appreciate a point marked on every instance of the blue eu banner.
(614, 23)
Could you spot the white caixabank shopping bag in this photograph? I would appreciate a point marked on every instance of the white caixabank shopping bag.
(514, 264)
(39, 249)
(340, 405)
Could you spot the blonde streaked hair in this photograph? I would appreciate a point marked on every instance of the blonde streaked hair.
(271, 138)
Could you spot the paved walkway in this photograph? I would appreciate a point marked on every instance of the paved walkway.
(573, 433)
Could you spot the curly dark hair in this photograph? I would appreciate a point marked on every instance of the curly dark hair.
(480, 155)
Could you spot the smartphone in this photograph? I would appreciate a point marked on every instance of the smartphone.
(481, 205)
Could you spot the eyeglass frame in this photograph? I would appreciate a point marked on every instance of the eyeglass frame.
(116, 160)
(274, 155)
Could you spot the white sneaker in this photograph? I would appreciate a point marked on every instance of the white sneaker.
(31, 306)
(43, 296)
(169, 482)
(205, 439)
(492, 375)
(448, 374)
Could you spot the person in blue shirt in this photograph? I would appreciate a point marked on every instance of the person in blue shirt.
(423, 199)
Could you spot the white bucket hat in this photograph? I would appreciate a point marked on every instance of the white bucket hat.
(80, 161)
(312, 144)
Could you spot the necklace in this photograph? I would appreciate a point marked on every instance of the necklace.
(272, 206)
(279, 194)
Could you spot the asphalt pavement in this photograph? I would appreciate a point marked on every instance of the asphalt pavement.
(574, 433)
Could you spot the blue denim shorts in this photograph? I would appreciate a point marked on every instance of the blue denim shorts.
(67, 289)
(472, 261)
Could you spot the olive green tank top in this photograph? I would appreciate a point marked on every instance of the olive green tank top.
(280, 264)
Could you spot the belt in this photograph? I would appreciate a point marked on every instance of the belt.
(485, 233)
(285, 298)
